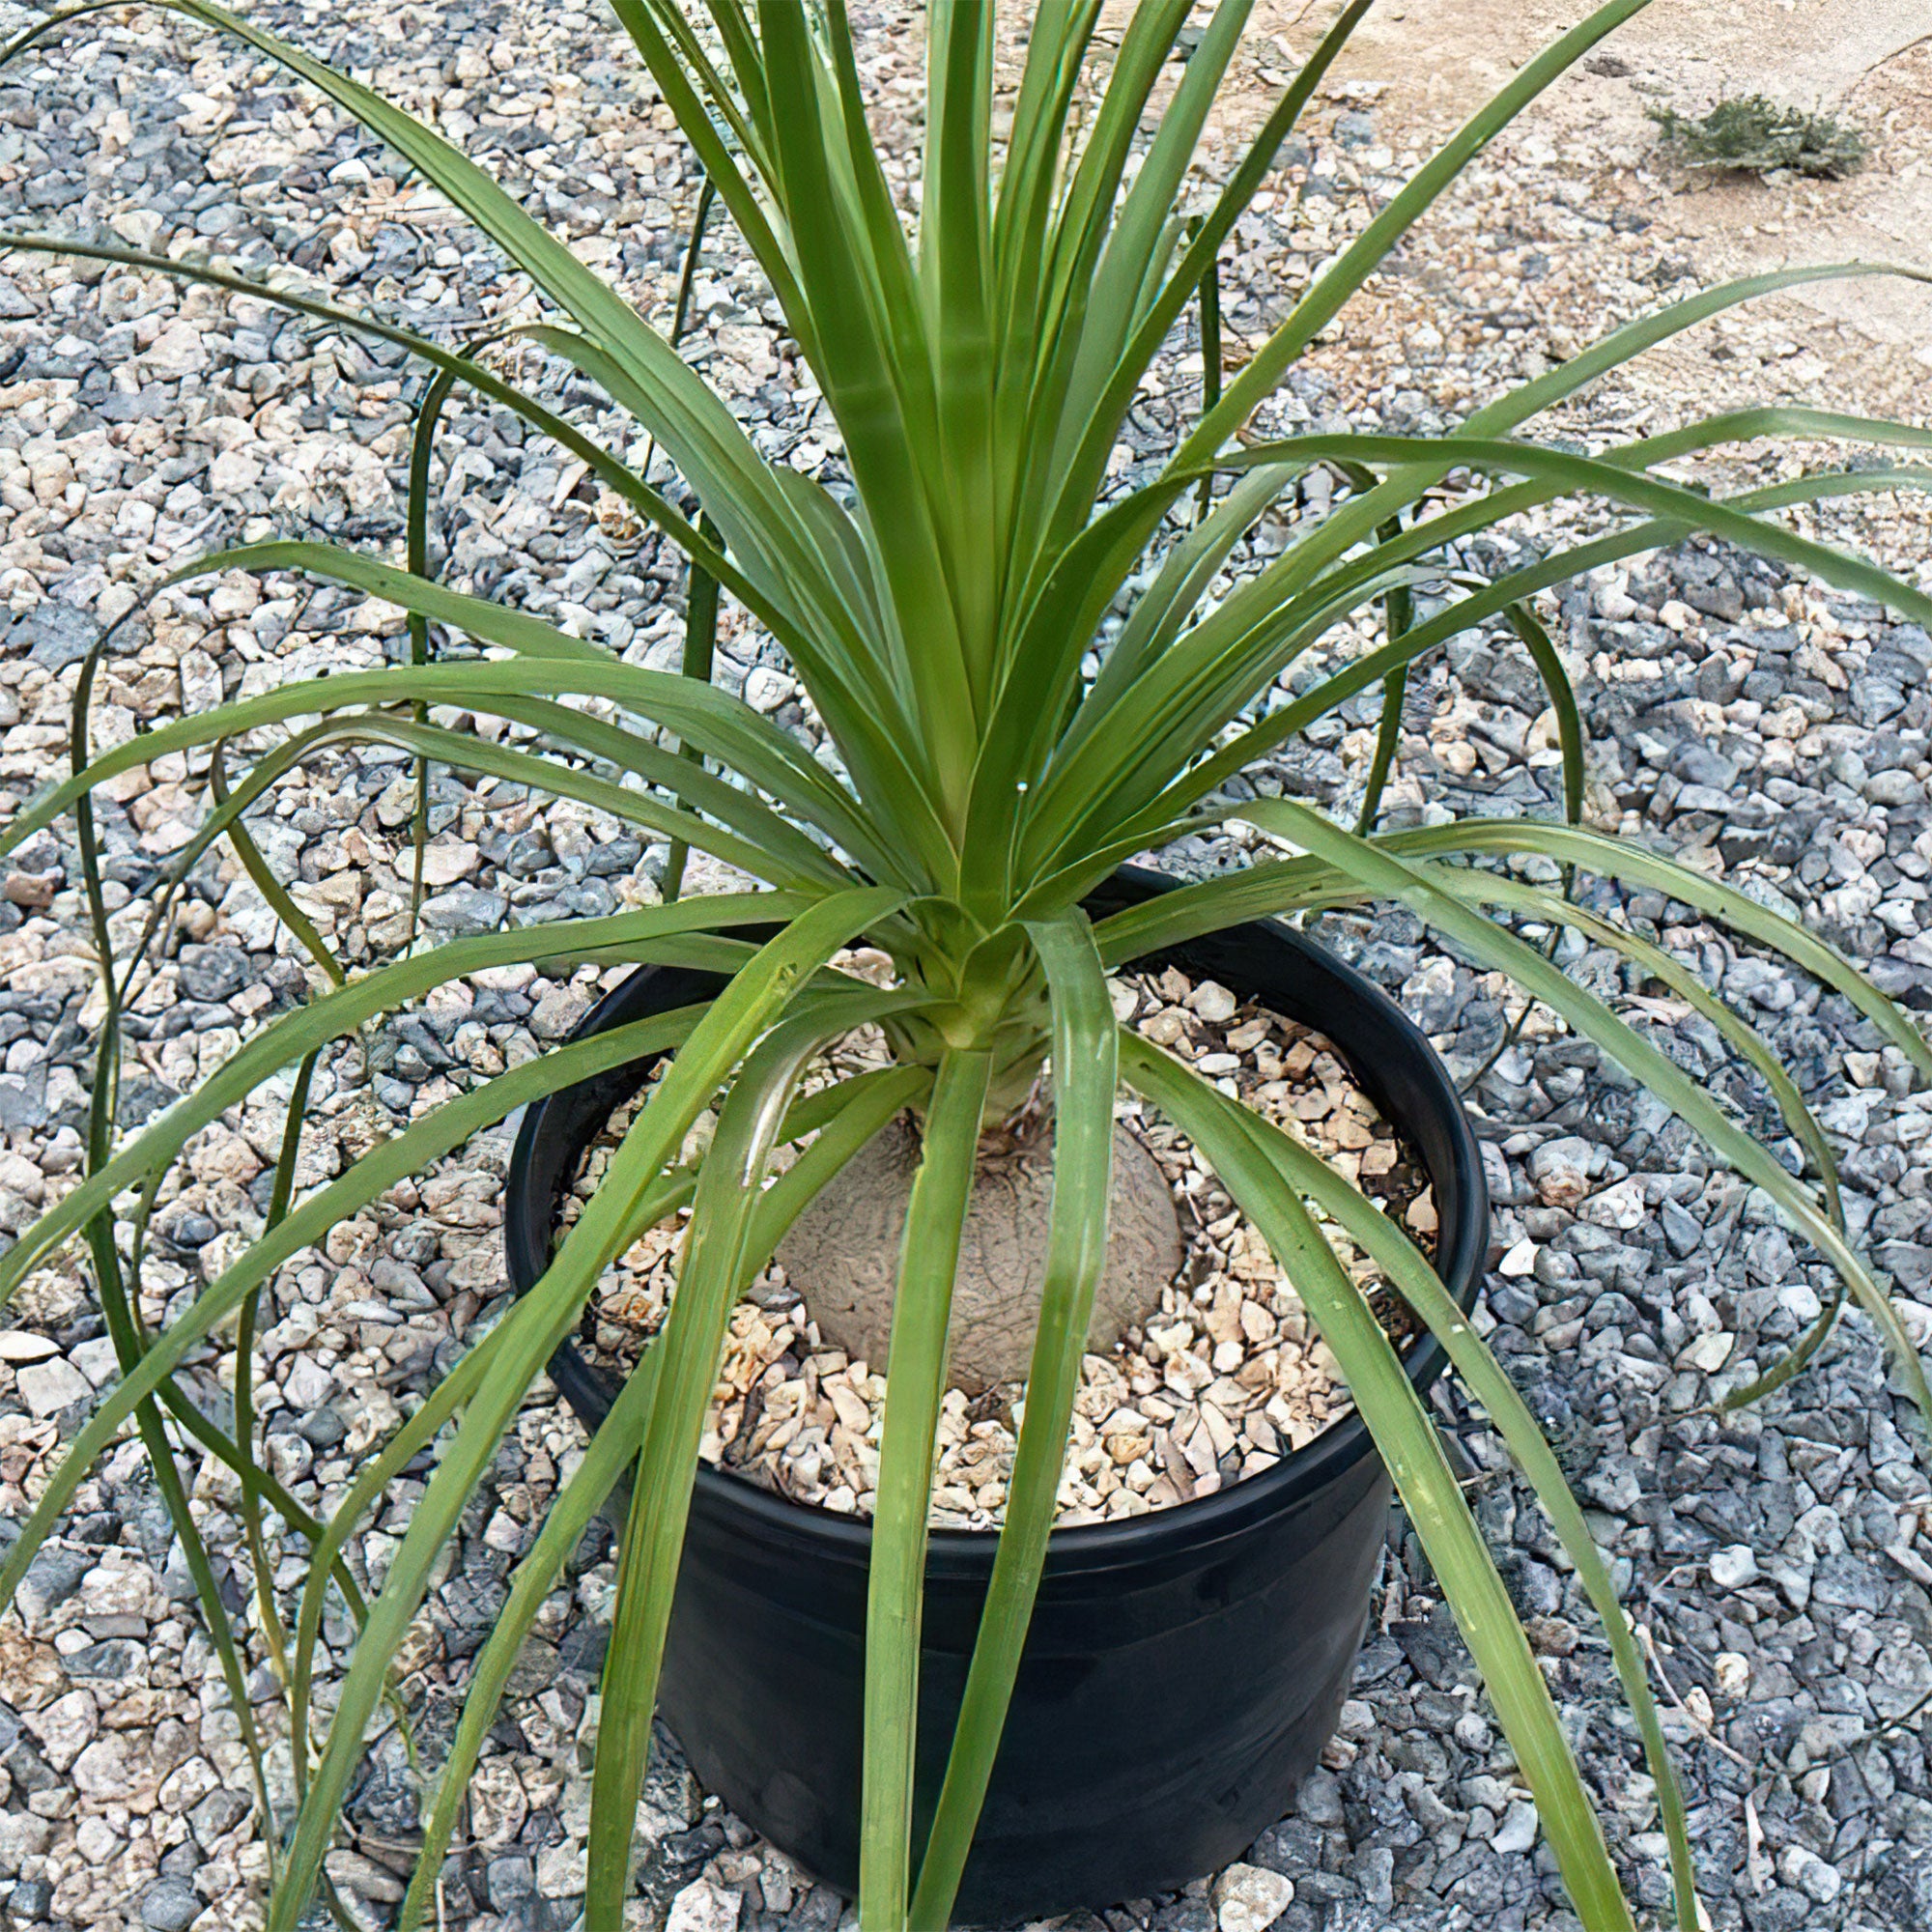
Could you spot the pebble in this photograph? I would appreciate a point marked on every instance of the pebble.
(1735, 1567)
(1249, 1899)
(47, 1387)
(704, 1907)
(170, 1905)
(1517, 1831)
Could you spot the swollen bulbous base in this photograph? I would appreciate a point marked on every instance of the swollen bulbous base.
(841, 1254)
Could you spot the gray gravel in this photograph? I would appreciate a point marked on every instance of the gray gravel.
(1779, 1565)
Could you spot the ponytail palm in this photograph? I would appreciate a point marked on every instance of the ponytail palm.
(1005, 721)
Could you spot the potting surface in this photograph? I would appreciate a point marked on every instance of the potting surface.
(1227, 1378)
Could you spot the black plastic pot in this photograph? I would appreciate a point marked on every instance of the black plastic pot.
(1185, 1668)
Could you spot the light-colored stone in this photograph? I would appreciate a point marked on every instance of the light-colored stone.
(1517, 1831)
(22, 1837)
(233, 471)
(704, 1907)
(177, 350)
(49, 1386)
(1250, 1898)
(66, 1727)
(1213, 1003)
(114, 1769)
(1734, 1568)
(444, 862)
(1708, 1352)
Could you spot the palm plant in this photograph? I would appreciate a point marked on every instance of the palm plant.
(979, 353)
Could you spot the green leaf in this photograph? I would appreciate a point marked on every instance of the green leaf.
(684, 1359)
(1382, 873)
(1320, 305)
(342, 1011)
(1431, 1494)
(1419, 1286)
(915, 1382)
(1630, 863)
(1487, 888)
(392, 1160)
(541, 1319)
(1085, 1076)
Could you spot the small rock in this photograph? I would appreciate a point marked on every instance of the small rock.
(466, 910)
(1563, 1169)
(170, 1905)
(1321, 1797)
(1213, 1003)
(1517, 1831)
(61, 636)
(446, 863)
(1734, 1568)
(1684, 1233)
(1708, 1352)
(766, 689)
(51, 1386)
(32, 892)
(231, 472)
(1519, 1260)
(214, 974)
(51, 1578)
(704, 1907)
(1810, 1874)
(1250, 1898)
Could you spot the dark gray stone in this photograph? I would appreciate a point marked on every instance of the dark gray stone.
(170, 1905)
(51, 1578)
(31, 1902)
(58, 636)
(213, 973)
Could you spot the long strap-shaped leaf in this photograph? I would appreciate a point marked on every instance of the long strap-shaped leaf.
(342, 1011)
(392, 1160)
(1085, 1074)
(1271, 885)
(1407, 1438)
(1088, 431)
(1319, 886)
(463, 752)
(1023, 207)
(834, 629)
(873, 399)
(1322, 886)
(1630, 863)
(856, 1112)
(1288, 721)
(543, 1317)
(1199, 684)
(686, 1356)
(1205, 689)
(705, 440)
(1320, 305)
(702, 713)
(1355, 521)
(700, 790)
(1487, 888)
(1417, 1282)
(915, 1382)
(1416, 884)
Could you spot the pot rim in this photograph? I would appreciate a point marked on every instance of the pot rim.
(1182, 1529)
